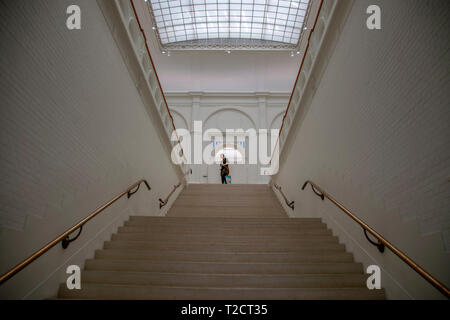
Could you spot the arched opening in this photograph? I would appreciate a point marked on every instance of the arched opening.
(232, 153)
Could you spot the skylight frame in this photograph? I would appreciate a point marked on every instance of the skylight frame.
(195, 32)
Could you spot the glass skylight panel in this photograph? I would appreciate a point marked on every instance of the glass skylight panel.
(267, 20)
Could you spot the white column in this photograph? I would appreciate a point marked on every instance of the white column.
(196, 136)
(262, 105)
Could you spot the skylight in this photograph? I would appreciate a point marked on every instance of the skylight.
(218, 22)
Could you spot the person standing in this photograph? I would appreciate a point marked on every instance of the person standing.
(224, 170)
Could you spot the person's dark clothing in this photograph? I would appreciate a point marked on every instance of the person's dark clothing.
(224, 171)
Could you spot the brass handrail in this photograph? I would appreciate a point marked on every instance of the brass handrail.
(162, 202)
(298, 77)
(289, 204)
(64, 237)
(436, 283)
(157, 77)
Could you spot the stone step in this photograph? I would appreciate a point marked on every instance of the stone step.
(222, 267)
(213, 221)
(218, 238)
(114, 292)
(228, 196)
(228, 202)
(152, 255)
(226, 280)
(224, 225)
(193, 230)
(207, 212)
(229, 187)
(221, 247)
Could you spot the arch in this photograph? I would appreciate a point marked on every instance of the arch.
(283, 136)
(167, 121)
(230, 109)
(136, 34)
(125, 8)
(326, 9)
(162, 108)
(318, 33)
(288, 120)
(308, 63)
(159, 98)
(291, 112)
(321, 27)
(296, 94)
(146, 63)
(152, 79)
(278, 116)
(232, 152)
(302, 81)
(176, 114)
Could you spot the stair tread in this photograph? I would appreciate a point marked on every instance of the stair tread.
(231, 257)
(144, 278)
(220, 247)
(161, 292)
(223, 267)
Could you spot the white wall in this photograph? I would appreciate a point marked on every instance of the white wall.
(228, 111)
(74, 132)
(376, 135)
(219, 71)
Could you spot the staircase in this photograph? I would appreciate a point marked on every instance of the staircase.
(223, 242)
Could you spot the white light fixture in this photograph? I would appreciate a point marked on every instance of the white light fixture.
(298, 52)
(292, 53)
(228, 51)
(153, 28)
(163, 52)
(168, 53)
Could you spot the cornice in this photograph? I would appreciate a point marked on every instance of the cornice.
(227, 94)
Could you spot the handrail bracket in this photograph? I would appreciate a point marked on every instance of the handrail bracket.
(66, 241)
(319, 194)
(378, 244)
(131, 192)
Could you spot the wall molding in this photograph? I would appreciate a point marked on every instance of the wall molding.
(210, 99)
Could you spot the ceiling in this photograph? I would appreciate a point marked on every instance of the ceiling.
(223, 70)
(225, 24)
